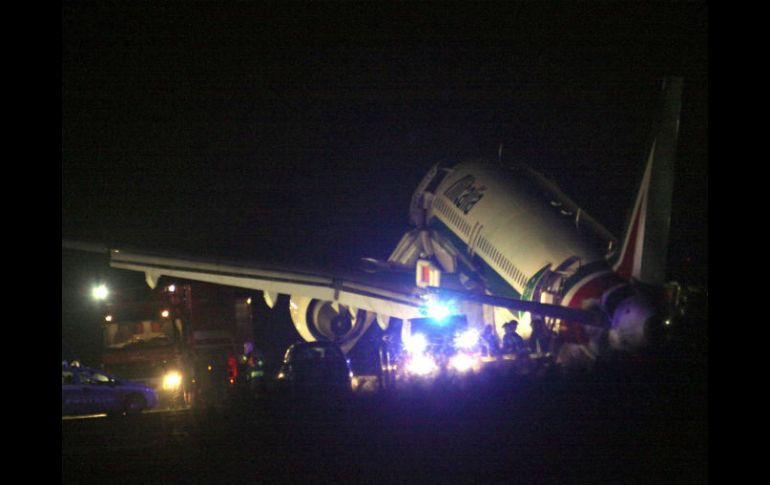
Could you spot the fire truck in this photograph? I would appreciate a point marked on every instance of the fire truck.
(186, 340)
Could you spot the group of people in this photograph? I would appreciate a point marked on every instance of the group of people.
(513, 343)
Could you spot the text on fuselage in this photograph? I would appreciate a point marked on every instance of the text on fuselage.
(464, 194)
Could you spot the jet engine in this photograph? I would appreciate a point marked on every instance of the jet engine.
(637, 317)
(318, 320)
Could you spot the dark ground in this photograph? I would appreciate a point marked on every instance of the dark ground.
(630, 422)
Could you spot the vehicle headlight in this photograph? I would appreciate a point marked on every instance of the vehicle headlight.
(462, 362)
(416, 344)
(421, 365)
(172, 381)
(467, 339)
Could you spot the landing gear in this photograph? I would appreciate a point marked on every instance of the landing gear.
(387, 370)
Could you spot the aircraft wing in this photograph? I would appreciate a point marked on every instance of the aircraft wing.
(379, 293)
(372, 292)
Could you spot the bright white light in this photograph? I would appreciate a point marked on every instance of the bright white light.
(100, 292)
(438, 311)
(171, 288)
(171, 381)
(421, 365)
(468, 339)
(462, 362)
(416, 344)
(164, 314)
(108, 318)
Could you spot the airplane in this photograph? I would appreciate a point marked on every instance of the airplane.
(495, 242)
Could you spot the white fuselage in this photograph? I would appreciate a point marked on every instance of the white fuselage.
(507, 223)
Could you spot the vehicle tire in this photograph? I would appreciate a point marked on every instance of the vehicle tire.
(134, 405)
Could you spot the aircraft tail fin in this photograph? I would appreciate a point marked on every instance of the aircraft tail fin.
(642, 255)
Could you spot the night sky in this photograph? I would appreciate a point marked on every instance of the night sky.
(297, 133)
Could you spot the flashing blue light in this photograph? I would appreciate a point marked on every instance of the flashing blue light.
(438, 311)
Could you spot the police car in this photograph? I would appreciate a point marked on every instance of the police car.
(91, 391)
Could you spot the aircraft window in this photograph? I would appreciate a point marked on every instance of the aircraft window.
(448, 214)
(440, 206)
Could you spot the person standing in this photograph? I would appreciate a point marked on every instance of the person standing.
(540, 339)
(490, 341)
(512, 341)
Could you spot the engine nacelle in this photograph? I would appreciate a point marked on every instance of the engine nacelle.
(637, 317)
(318, 320)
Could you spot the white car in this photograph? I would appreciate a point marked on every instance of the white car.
(91, 391)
